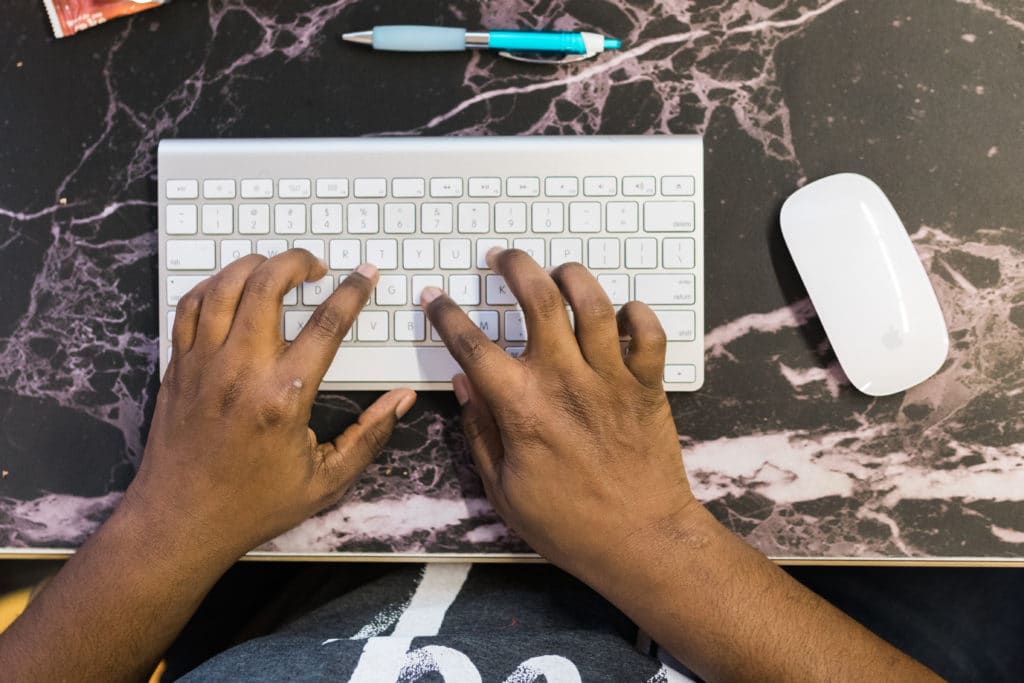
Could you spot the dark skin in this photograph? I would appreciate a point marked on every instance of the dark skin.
(575, 444)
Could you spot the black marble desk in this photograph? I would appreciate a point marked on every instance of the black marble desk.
(925, 96)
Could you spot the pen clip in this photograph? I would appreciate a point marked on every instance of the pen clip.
(565, 59)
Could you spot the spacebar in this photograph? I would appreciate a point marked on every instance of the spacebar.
(392, 364)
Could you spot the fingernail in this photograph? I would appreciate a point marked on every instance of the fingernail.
(492, 254)
(429, 294)
(461, 387)
(404, 405)
(322, 263)
(367, 270)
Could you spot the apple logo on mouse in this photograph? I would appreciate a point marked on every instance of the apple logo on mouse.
(893, 338)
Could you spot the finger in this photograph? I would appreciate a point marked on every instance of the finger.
(547, 323)
(645, 353)
(186, 319)
(481, 431)
(491, 369)
(596, 329)
(259, 311)
(220, 301)
(315, 347)
(347, 456)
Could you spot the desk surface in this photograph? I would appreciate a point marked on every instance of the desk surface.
(924, 96)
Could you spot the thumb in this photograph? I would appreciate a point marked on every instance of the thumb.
(481, 431)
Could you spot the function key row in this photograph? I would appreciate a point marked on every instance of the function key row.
(414, 188)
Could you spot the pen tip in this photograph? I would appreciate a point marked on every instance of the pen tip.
(361, 37)
(612, 43)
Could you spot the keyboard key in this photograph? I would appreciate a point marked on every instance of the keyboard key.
(534, 247)
(232, 250)
(314, 247)
(391, 364)
(584, 217)
(465, 289)
(498, 293)
(523, 187)
(641, 252)
(391, 290)
(271, 248)
(547, 217)
(218, 219)
(455, 254)
(446, 187)
(190, 254)
(372, 326)
(399, 218)
(616, 287)
(436, 218)
(363, 219)
(603, 253)
(599, 186)
(680, 373)
(410, 326)
(170, 325)
(370, 187)
(260, 188)
(677, 185)
(181, 219)
(622, 217)
(639, 186)
(664, 288)
(474, 217)
(678, 325)
(345, 254)
(678, 252)
(565, 251)
(515, 351)
(291, 298)
(418, 254)
(509, 217)
(331, 188)
(668, 216)
(316, 292)
(219, 189)
(487, 321)
(561, 186)
(485, 245)
(179, 285)
(408, 188)
(421, 281)
(182, 189)
(325, 219)
(254, 219)
(293, 188)
(485, 187)
(382, 253)
(294, 321)
(290, 219)
(515, 326)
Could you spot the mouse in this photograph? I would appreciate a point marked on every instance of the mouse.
(866, 282)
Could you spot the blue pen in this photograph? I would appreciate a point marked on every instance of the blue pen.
(574, 46)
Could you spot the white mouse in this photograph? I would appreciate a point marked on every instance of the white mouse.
(866, 282)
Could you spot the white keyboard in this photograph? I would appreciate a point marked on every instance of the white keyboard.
(425, 211)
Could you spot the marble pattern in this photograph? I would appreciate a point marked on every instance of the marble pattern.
(925, 96)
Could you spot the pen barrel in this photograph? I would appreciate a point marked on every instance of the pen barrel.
(538, 41)
(419, 38)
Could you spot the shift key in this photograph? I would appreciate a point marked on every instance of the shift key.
(665, 288)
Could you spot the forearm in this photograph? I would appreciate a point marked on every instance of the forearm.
(115, 607)
(727, 612)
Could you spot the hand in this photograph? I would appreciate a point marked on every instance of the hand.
(575, 443)
(231, 460)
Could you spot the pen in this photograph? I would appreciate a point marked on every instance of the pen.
(575, 46)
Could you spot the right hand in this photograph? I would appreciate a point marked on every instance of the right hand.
(574, 441)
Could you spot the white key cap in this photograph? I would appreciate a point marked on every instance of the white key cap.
(523, 187)
(418, 254)
(677, 252)
(391, 290)
(332, 188)
(291, 298)
(399, 218)
(409, 326)
(345, 254)
(446, 187)
(599, 186)
(179, 285)
(487, 321)
(370, 187)
(465, 289)
(421, 281)
(294, 321)
(668, 216)
(677, 185)
(515, 351)
(455, 254)
(382, 253)
(316, 292)
(566, 250)
(622, 217)
(290, 219)
(314, 247)
(515, 326)
(474, 217)
(191, 254)
(668, 288)
(641, 252)
(325, 219)
(498, 293)
(170, 325)
(232, 250)
(181, 219)
(678, 325)
(254, 219)
(561, 186)
(363, 219)
(603, 253)
(485, 245)
(257, 188)
(485, 187)
(271, 248)
(616, 287)
(534, 247)
(408, 187)
(219, 188)
(675, 373)
(509, 217)
(293, 188)
(218, 219)
(372, 326)
(639, 186)
(392, 364)
(584, 217)
(182, 189)
(436, 218)
(547, 217)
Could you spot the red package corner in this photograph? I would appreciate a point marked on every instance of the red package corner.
(68, 17)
